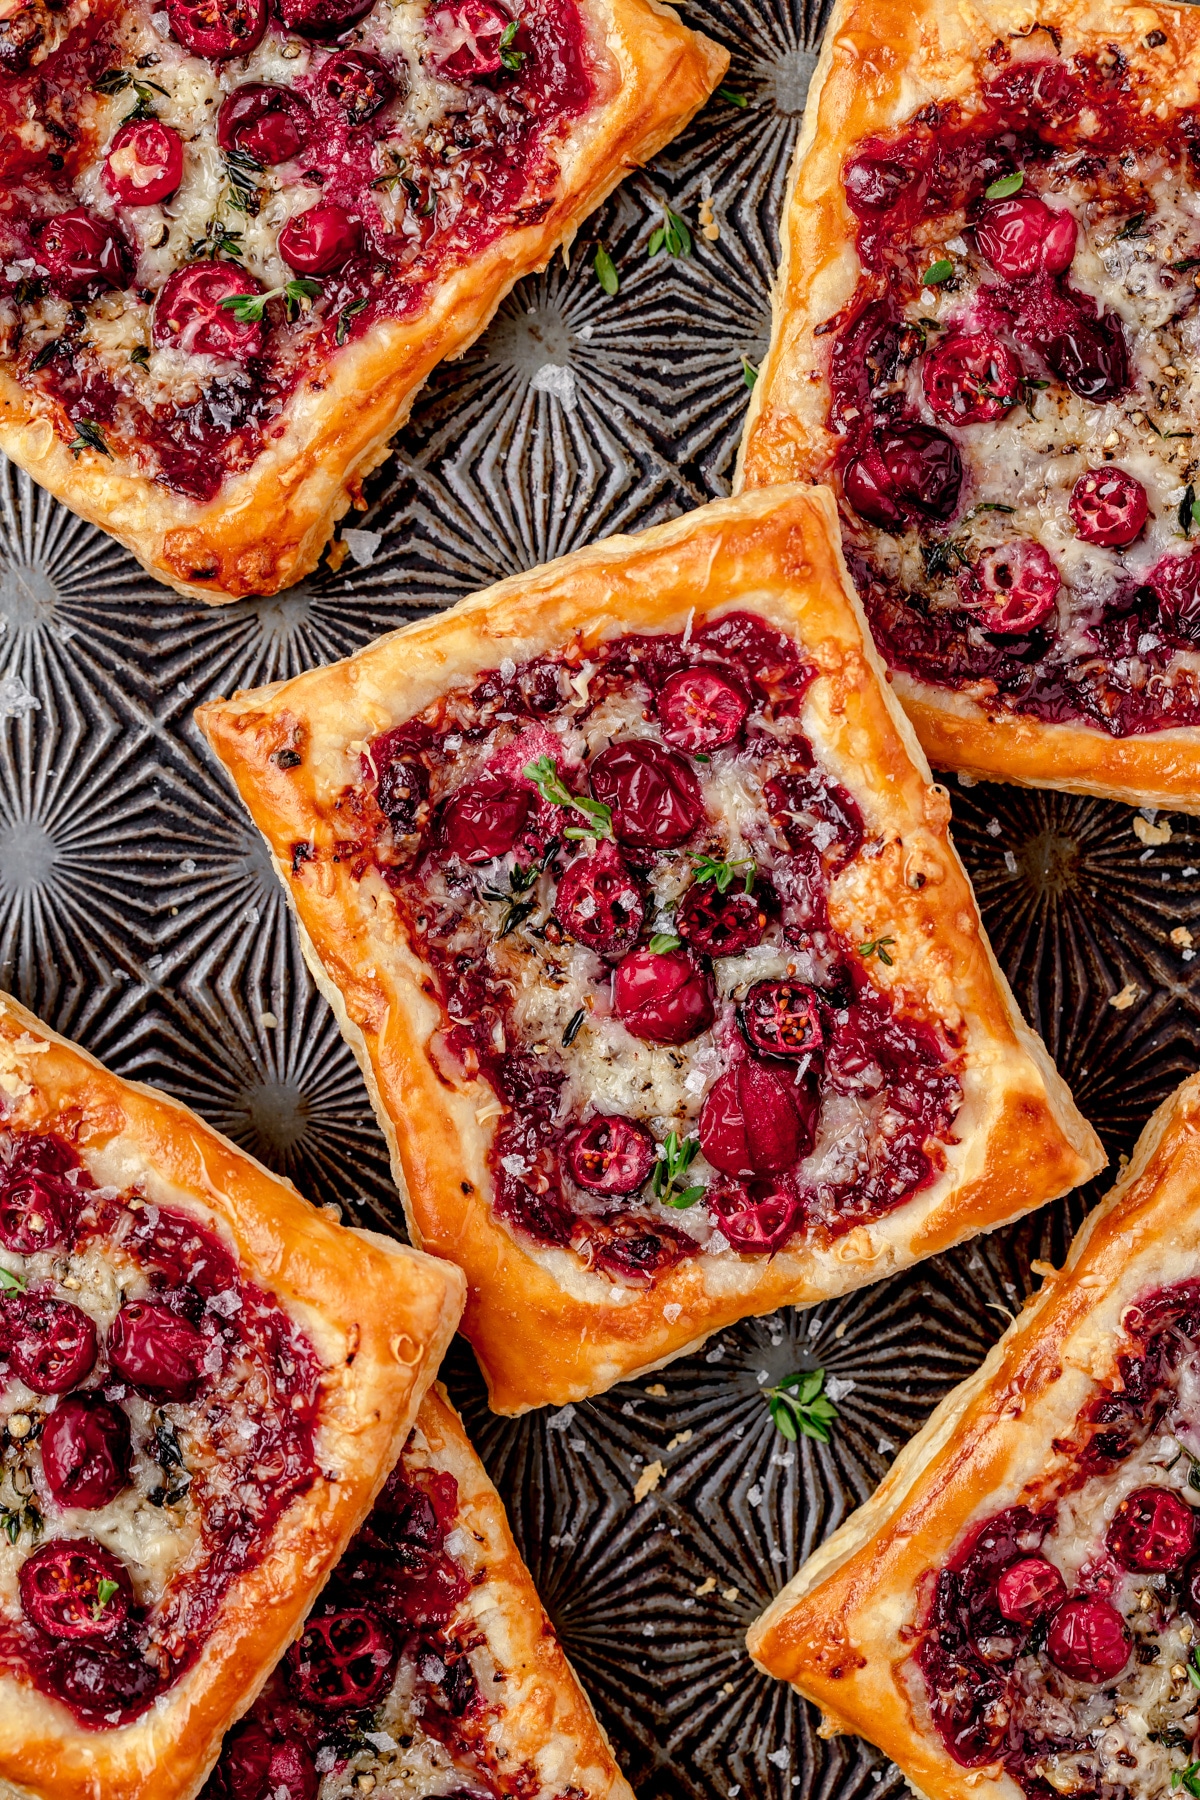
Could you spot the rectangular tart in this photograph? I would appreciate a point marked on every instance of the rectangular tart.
(205, 1383)
(629, 886)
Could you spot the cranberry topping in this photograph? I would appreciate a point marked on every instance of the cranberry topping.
(760, 652)
(245, 1762)
(1011, 587)
(144, 165)
(320, 18)
(611, 1155)
(1154, 1530)
(190, 313)
(875, 183)
(320, 240)
(599, 902)
(342, 1660)
(269, 123)
(1108, 507)
(1029, 1589)
(86, 1451)
(701, 709)
(756, 1216)
(156, 1350)
(653, 793)
(915, 470)
(36, 1207)
(61, 1592)
(82, 254)
(757, 1121)
(51, 1344)
(1175, 583)
(783, 1018)
(1092, 358)
(465, 36)
(485, 819)
(720, 924)
(218, 28)
(1023, 236)
(970, 378)
(357, 83)
(1088, 1640)
(663, 997)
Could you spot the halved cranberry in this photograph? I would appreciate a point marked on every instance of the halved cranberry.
(720, 924)
(971, 377)
(1088, 1640)
(756, 1121)
(664, 998)
(245, 1763)
(292, 1774)
(599, 903)
(1108, 507)
(466, 38)
(783, 1018)
(1153, 1531)
(611, 1155)
(269, 123)
(357, 83)
(756, 1216)
(484, 819)
(60, 1590)
(86, 1451)
(32, 1215)
(1175, 583)
(653, 793)
(189, 312)
(701, 709)
(1029, 1589)
(1011, 587)
(874, 184)
(1092, 358)
(320, 240)
(218, 28)
(914, 470)
(145, 163)
(320, 18)
(402, 791)
(1023, 235)
(868, 488)
(341, 1660)
(82, 254)
(52, 1344)
(156, 1350)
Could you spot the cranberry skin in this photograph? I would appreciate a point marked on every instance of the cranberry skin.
(156, 1350)
(756, 1216)
(783, 1018)
(32, 1216)
(719, 924)
(599, 903)
(52, 1344)
(1153, 1531)
(1108, 507)
(320, 240)
(701, 709)
(611, 1155)
(218, 28)
(1091, 358)
(874, 184)
(1088, 1640)
(484, 819)
(292, 1774)
(1023, 236)
(1028, 1589)
(189, 313)
(653, 793)
(1011, 587)
(82, 254)
(144, 164)
(60, 1590)
(86, 1451)
(923, 468)
(971, 378)
(358, 85)
(320, 18)
(245, 1764)
(868, 488)
(269, 123)
(466, 36)
(340, 1661)
(756, 1121)
(663, 998)
(1175, 584)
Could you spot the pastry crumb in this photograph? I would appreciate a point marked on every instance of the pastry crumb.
(658, 1391)
(1125, 999)
(707, 1586)
(1183, 937)
(649, 1479)
(1147, 832)
(731, 1594)
(681, 1437)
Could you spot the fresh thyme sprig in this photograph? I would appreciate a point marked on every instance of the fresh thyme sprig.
(516, 909)
(348, 312)
(799, 1408)
(879, 947)
(115, 81)
(510, 58)
(11, 1282)
(550, 785)
(724, 874)
(217, 241)
(749, 373)
(673, 1164)
(672, 236)
(243, 171)
(248, 309)
(105, 1589)
(88, 437)
(1188, 1779)
(15, 1519)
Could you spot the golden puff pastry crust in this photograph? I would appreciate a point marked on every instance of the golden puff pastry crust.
(546, 1329)
(379, 1317)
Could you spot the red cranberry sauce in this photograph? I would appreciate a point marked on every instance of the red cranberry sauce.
(596, 904)
(413, 168)
(1013, 453)
(1057, 1637)
(138, 1369)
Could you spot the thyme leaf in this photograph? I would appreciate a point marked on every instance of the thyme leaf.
(724, 874)
(938, 272)
(731, 97)
(606, 271)
(348, 312)
(105, 1589)
(672, 236)
(878, 947)
(663, 942)
(510, 58)
(13, 1282)
(1004, 185)
(749, 373)
(574, 1024)
(88, 437)
(550, 785)
(248, 309)
(799, 1408)
(1131, 227)
(675, 1157)
(1187, 510)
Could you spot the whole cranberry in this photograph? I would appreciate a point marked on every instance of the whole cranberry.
(402, 791)
(1088, 1640)
(874, 184)
(923, 468)
(484, 819)
(1022, 236)
(245, 1764)
(60, 1590)
(720, 924)
(52, 1344)
(86, 1451)
(598, 902)
(1092, 358)
(701, 709)
(783, 1018)
(145, 163)
(1153, 1531)
(320, 240)
(756, 1216)
(868, 488)
(653, 793)
(190, 313)
(756, 1121)
(465, 35)
(218, 29)
(357, 83)
(611, 1155)
(82, 254)
(971, 378)
(33, 1212)
(341, 1660)
(320, 18)
(1028, 1589)
(1108, 507)
(292, 1774)
(156, 1350)
(269, 123)
(1175, 583)
(663, 997)
(1011, 587)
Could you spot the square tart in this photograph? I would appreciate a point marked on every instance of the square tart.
(499, 1059)
(1023, 1582)
(207, 1382)
(984, 338)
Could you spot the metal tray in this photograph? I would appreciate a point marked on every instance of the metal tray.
(138, 913)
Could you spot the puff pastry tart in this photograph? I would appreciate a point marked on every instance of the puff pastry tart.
(629, 887)
(427, 1667)
(203, 1384)
(986, 335)
(237, 235)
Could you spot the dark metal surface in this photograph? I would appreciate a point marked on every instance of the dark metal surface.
(138, 913)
